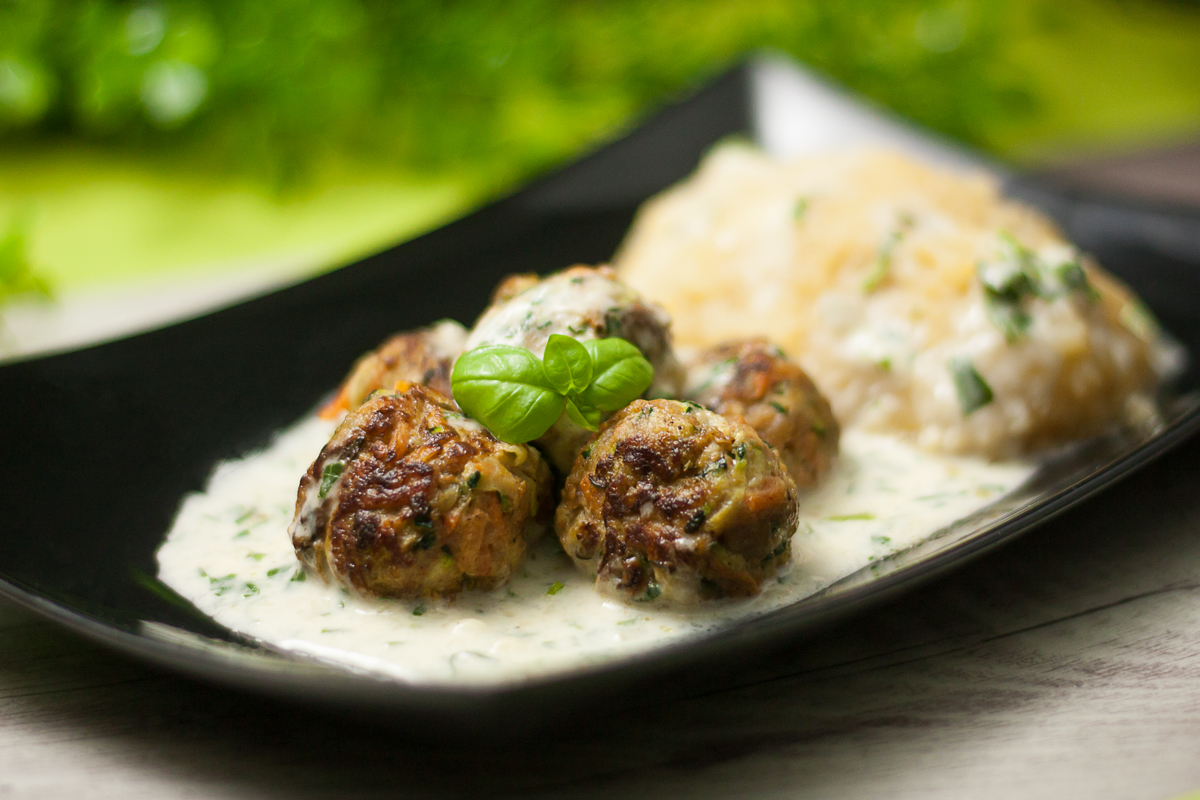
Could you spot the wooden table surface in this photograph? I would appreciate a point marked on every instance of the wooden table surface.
(1066, 664)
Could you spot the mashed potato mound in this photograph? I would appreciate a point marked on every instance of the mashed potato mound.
(920, 301)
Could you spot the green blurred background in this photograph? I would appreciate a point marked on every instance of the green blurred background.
(142, 140)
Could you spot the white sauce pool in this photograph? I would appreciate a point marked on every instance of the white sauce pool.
(229, 553)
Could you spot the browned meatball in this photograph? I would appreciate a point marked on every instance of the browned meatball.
(754, 380)
(423, 356)
(412, 499)
(672, 500)
(513, 285)
(585, 303)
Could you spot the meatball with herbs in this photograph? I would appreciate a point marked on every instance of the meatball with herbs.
(672, 500)
(412, 499)
(584, 303)
(754, 380)
(424, 356)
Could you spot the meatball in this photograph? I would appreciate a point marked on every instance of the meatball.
(423, 356)
(412, 499)
(672, 500)
(754, 380)
(585, 303)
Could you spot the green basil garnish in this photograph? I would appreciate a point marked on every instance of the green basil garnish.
(586, 418)
(567, 364)
(506, 389)
(620, 374)
(519, 396)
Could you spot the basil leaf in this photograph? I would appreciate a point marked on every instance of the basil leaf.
(567, 364)
(506, 389)
(973, 391)
(587, 418)
(620, 375)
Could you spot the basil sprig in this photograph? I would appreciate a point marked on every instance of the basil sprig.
(519, 396)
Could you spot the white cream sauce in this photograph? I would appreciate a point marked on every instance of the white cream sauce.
(229, 553)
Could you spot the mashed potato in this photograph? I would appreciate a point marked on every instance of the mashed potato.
(921, 302)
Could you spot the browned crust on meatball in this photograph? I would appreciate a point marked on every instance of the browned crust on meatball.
(427, 502)
(754, 380)
(513, 285)
(669, 498)
(413, 356)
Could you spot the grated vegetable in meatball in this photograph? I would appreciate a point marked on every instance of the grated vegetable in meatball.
(754, 380)
(412, 499)
(672, 500)
(424, 356)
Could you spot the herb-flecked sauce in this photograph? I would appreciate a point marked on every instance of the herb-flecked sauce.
(229, 553)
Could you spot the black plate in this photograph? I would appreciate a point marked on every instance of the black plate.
(102, 443)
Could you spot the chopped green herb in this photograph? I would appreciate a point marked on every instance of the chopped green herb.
(817, 427)
(505, 502)
(271, 573)
(428, 539)
(423, 521)
(973, 391)
(1012, 320)
(299, 577)
(881, 540)
(1138, 320)
(849, 517)
(249, 589)
(419, 611)
(1004, 280)
(244, 516)
(883, 262)
(555, 588)
(799, 209)
(329, 475)
(695, 522)
(653, 592)
(473, 481)
(628, 621)
(436, 429)
(778, 407)
(877, 274)
(613, 322)
(240, 534)
(779, 550)
(587, 452)
(739, 452)
(256, 556)
(1071, 275)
